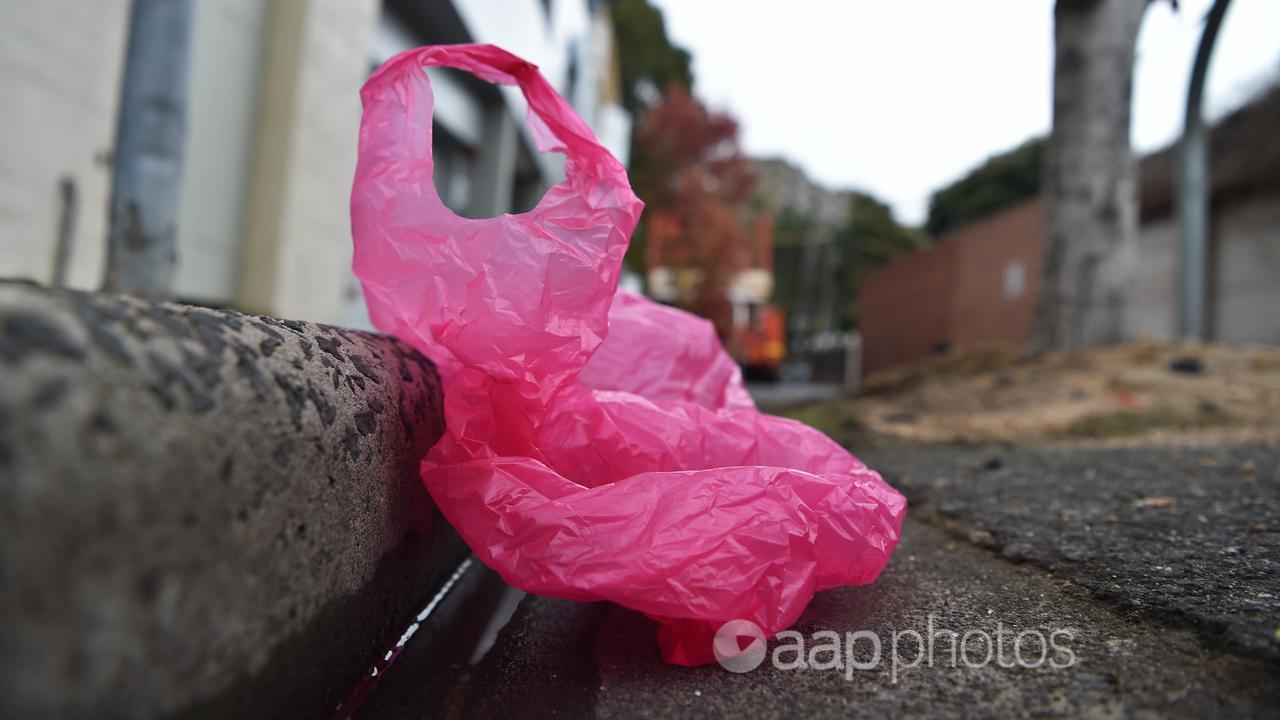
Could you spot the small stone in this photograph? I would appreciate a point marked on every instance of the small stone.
(980, 537)
(1076, 553)
(1016, 552)
(991, 463)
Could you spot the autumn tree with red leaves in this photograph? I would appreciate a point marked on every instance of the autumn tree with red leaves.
(689, 169)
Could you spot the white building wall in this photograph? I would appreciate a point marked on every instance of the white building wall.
(613, 128)
(273, 119)
(296, 262)
(603, 91)
(1246, 306)
(1244, 292)
(60, 67)
(228, 38)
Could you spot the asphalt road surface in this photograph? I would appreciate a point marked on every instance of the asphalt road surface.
(1149, 576)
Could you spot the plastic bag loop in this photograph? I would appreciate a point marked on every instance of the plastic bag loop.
(556, 127)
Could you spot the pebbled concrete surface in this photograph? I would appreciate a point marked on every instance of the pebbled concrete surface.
(562, 659)
(1188, 535)
(204, 513)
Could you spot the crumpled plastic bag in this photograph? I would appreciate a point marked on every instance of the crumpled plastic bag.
(599, 446)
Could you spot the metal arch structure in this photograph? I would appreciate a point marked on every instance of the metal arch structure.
(1193, 188)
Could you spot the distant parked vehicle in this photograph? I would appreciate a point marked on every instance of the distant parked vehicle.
(759, 344)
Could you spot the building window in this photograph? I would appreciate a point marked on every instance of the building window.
(454, 164)
(571, 76)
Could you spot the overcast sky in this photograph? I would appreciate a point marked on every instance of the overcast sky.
(900, 97)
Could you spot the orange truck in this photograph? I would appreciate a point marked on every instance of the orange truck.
(761, 344)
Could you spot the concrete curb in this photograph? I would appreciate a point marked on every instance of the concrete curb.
(204, 513)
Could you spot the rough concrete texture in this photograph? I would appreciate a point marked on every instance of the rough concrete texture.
(562, 659)
(204, 513)
(1186, 535)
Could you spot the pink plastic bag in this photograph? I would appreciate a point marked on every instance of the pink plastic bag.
(599, 446)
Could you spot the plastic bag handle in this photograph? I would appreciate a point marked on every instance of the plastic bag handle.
(485, 291)
(589, 166)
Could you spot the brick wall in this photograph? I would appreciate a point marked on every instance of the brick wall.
(976, 286)
(997, 277)
(904, 309)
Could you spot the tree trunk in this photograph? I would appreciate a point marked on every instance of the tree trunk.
(1091, 210)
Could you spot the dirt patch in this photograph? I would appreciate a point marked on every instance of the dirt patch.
(1143, 392)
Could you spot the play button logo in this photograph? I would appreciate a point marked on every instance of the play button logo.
(740, 646)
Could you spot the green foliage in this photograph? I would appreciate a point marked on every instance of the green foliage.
(1127, 423)
(872, 238)
(645, 52)
(789, 232)
(1001, 181)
